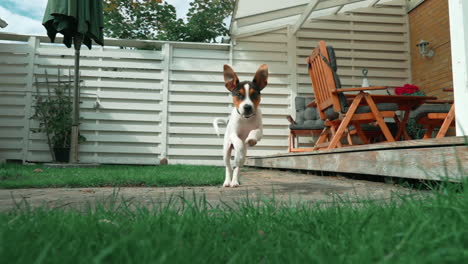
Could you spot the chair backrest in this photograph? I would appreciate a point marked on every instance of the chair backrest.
(323, 80)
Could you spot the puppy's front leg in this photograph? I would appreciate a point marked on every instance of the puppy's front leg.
(239, 159)
(254, 137)
(227, 162)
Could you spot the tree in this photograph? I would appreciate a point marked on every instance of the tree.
(206, 19)
(157, 20)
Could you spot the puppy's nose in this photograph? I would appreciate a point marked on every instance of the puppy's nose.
(247, 108)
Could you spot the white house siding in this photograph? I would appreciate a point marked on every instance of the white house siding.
(375, 38)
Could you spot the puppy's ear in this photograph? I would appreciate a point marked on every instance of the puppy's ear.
(230, 78)
(261, 77)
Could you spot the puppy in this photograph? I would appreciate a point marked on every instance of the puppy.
(244, 127)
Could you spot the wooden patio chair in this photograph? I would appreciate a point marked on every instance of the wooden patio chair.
(307, 123)
(431, 116)
(333, 106)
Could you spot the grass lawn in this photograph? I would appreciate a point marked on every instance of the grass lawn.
(404, 230)
(22, 176)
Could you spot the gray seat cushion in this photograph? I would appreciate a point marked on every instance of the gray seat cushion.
(332, 115)
(309, 124)
(306, 117)
(425, 109)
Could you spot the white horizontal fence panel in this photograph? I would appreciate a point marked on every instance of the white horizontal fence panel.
(127, 83)
(375, 38)
(272, 49)
(196, 96)
(15, 61)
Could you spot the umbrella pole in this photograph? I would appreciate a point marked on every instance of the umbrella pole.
(76, 102)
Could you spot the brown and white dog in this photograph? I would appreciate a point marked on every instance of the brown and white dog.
(244, 127)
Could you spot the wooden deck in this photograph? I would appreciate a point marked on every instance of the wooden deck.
(429, 159)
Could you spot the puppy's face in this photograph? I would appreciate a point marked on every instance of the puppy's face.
(246, 95)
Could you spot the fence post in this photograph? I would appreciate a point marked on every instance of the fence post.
(167, 58)
(33, 43)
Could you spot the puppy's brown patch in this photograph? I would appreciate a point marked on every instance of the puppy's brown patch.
(237, 101)
(255, 97)
(238, 95)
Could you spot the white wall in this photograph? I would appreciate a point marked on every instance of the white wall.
(458, 11)
(375, 38)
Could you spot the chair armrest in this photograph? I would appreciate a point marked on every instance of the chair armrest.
(447, 89)
(290, 119)
(358, 89)
(312, 104)
(437, 115)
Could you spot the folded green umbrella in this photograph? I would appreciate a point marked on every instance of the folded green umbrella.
(80, 21)
(73, 18)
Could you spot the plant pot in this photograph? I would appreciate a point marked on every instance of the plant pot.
(62, 154)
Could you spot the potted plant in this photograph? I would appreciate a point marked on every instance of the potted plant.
(53, 110)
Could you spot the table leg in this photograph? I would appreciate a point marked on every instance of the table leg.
(402, 125)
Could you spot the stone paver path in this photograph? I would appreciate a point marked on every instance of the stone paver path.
(255, 183)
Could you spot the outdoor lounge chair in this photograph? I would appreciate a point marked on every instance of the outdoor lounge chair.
(333, 106)
(307, 123)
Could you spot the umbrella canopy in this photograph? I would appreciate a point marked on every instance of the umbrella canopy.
(75, 18)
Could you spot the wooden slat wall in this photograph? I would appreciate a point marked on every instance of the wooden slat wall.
(375, 38)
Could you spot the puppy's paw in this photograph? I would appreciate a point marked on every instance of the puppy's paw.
(226, 183)
(251, 142)
(235, 184)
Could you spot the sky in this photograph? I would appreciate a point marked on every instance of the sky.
(25, 16)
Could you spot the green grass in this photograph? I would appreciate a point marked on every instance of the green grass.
(21, 176)
(403, 230)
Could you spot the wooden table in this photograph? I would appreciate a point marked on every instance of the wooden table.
(405, 103)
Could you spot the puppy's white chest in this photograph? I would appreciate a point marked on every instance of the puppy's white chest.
(244, 127)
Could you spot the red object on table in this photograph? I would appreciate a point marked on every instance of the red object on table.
(406, 89)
